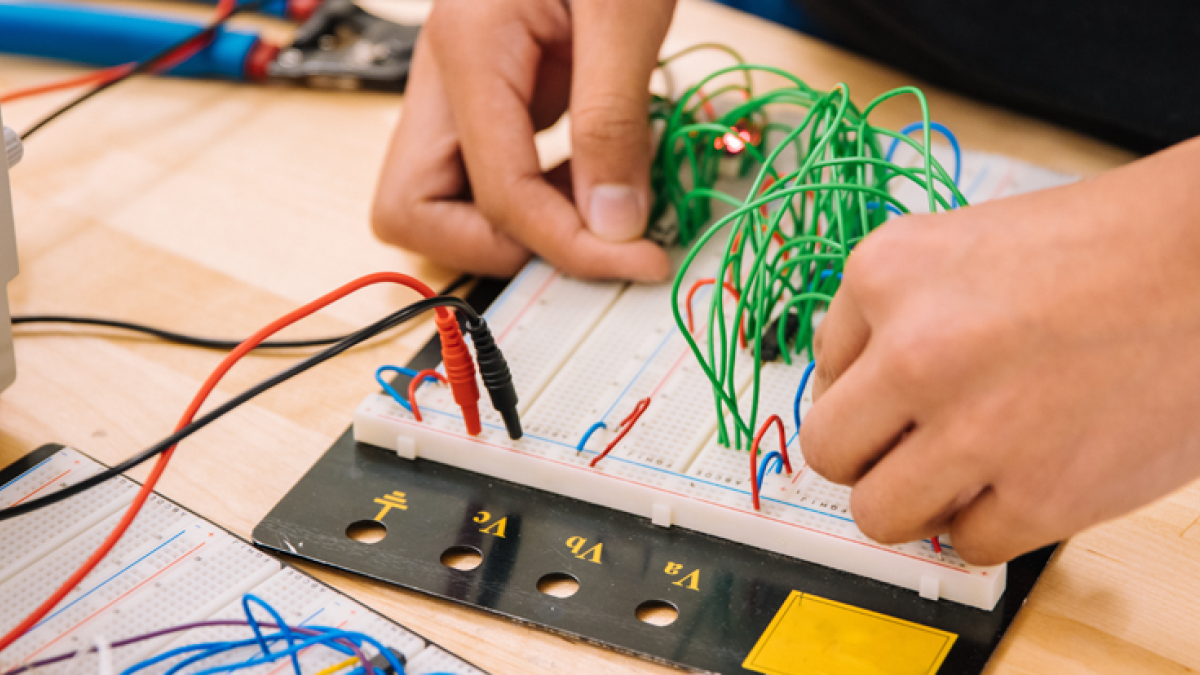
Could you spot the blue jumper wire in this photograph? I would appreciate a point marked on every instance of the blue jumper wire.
(295, 643)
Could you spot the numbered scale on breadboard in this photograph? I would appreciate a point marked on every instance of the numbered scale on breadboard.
(667, 517)
(172, 568)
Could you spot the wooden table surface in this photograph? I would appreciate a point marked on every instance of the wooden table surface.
(213, 208)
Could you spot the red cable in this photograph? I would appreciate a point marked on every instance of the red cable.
(787, 464)
(100, 77)
(737, 238)
(187, 51)
(783, 451)
(937, 545)
(624, 427)
(209, 384)
(732, 291)
(416, 382)
(776, 237)
(97, 77)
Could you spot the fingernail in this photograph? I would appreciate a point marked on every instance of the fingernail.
(615, 213)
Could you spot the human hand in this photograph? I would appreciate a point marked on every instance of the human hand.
(461, 183)
(1017, 371)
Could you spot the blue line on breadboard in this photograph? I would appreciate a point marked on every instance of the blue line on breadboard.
(114, 576)
(983, 172)
(637, 375)
(671, 333)
(508, 291)
(312, 616)
(27, 472)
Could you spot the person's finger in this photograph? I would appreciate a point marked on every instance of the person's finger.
(988, 531)
(839, 340)
(417, 201)
(490, 98)
(549, 225)
(859, 419)
(616, 45)
(916, 488)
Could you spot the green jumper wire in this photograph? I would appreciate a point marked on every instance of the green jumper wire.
(786, 242)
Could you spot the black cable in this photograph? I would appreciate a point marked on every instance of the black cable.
(144, 66)
(390, 321)
(193, 340)
(169, 336)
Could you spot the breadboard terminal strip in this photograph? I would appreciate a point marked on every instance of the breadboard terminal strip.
(173, 583)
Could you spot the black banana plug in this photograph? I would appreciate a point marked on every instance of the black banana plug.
(493, 369)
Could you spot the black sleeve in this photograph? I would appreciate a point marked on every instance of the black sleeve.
(1127, 72)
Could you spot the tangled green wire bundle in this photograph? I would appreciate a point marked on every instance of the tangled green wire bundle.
(787, 240)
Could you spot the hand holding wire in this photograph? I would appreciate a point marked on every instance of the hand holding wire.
(462, 183)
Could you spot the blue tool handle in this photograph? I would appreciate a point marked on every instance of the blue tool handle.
(105, 38)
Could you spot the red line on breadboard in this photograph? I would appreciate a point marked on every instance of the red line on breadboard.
(670, 373)
(532, 300)
(44, 486)
(1004, 182)
(659, 489)
(116, 600)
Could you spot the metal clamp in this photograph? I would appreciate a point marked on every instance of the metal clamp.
(343, 46)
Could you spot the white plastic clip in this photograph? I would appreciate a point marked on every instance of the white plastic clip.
(931, 588)
(660, 515)
(406, 447)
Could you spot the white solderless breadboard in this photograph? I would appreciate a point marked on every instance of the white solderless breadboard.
(670, 467)
(171, 568)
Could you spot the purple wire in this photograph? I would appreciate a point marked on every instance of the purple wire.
(366, 664)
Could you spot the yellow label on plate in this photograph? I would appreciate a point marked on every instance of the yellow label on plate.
(815, 636)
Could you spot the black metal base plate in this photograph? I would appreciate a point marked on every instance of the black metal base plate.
(431, 508)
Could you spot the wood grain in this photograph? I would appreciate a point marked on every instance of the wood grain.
(212, 208)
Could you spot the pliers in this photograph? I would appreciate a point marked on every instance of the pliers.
(338, 45)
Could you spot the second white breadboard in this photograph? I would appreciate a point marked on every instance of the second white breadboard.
(171, 569)
(585, 353)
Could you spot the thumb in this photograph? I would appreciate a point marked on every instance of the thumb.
(615, 50)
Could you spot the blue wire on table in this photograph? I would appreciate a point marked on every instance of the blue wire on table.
(808, 371)
(330, 635)
(296, 643)
(214, 648)
(762, 470)
(283, 627)
(327, 639)
(210, 649)
(587, 435)
(207, 650)
(944, 131)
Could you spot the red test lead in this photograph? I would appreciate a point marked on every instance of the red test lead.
(460, 369)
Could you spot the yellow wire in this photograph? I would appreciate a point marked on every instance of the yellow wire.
(338, 666)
